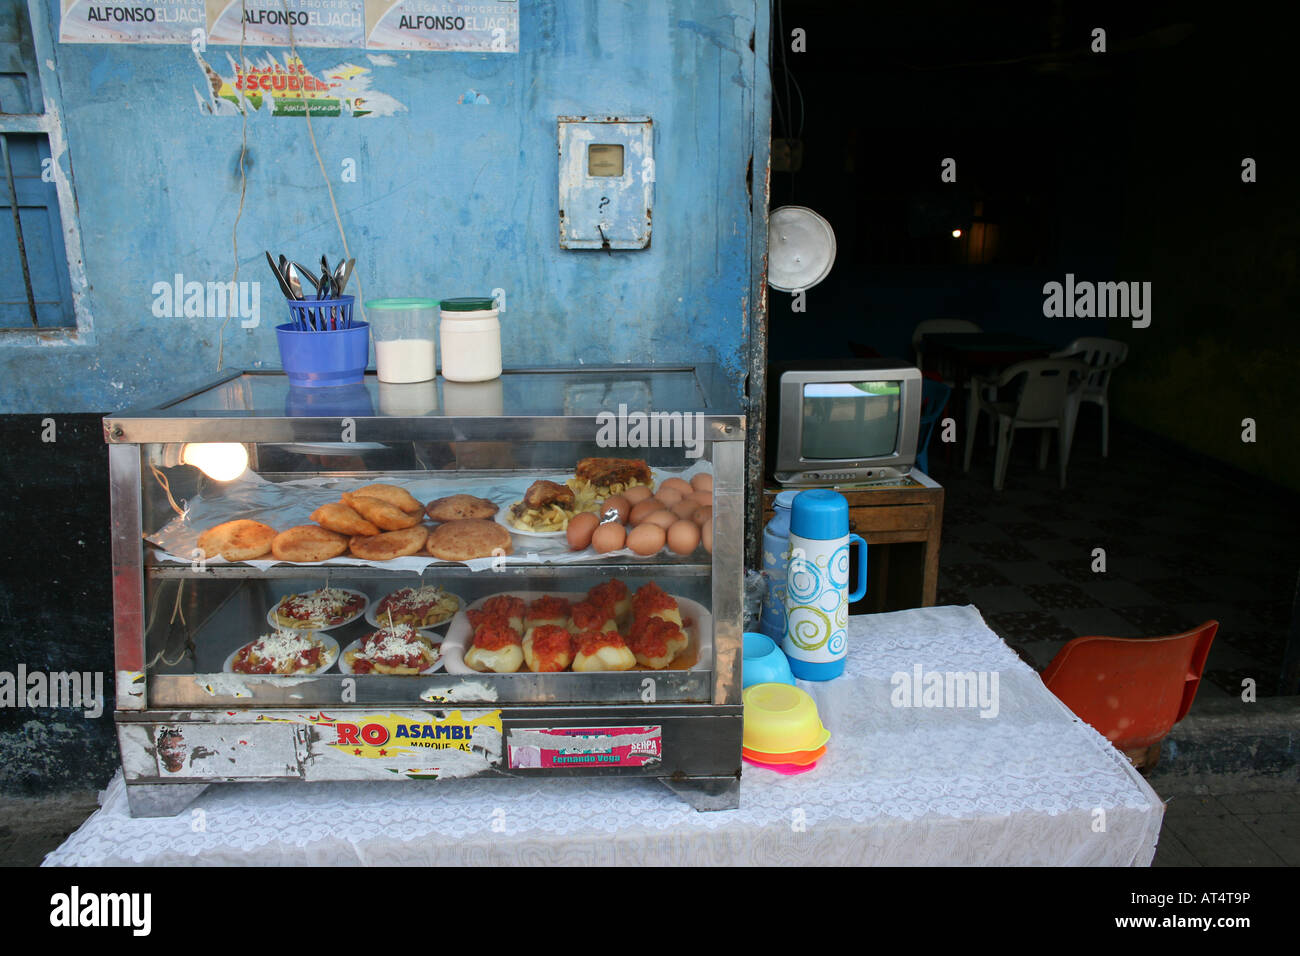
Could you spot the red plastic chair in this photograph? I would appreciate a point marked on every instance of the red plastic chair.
(1132, 691)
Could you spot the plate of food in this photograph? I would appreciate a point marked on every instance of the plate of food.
(543, 512)
(321, 610)
(421, 608)
(399, 649)
(608, 627)
(284, 654)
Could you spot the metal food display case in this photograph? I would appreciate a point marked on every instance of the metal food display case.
(185, 721)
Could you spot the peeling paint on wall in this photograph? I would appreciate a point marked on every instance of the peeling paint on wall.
(446, 200)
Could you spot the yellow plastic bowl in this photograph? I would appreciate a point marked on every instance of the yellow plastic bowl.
(780, 719)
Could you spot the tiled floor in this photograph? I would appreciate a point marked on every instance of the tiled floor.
(1238, 829)
(1182, 544)
(31, 827)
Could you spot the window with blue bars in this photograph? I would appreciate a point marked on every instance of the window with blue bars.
(34, 289)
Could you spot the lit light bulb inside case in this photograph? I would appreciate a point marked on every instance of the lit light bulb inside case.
(223, 461)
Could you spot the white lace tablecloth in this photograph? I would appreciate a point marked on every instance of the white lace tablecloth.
(898, 785)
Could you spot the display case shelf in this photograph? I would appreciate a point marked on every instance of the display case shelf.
(658, 566)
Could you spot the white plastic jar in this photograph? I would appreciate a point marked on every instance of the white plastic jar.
(470, 336)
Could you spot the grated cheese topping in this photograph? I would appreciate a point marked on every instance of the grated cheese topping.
(320, 607)
(284, 646)
(392, 641)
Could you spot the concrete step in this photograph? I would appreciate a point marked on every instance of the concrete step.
(1230, 746)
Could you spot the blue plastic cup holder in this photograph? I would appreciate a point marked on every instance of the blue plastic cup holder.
(321, 315)
(314, 359)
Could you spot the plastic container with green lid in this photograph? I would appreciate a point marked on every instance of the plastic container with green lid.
(403, 331)
(471, 339)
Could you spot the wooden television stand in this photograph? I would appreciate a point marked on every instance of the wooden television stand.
(901, 525)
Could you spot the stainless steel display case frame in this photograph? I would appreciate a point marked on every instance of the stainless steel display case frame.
(240, 736)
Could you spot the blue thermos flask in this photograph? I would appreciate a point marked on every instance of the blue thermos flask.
(817, 594)
(776, 555)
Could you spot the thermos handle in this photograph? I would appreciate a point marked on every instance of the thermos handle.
(861, 590)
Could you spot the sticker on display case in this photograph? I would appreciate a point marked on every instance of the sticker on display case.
(465, 26)
(419, 744)
(536, 748)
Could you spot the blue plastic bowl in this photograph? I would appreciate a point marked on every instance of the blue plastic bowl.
(765, 662)
(320, 359)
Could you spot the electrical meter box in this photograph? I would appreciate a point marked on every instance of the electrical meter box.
(607, 175)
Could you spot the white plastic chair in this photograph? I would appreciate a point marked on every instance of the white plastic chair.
(1048, 399)
(1103, 356)
(934, 327)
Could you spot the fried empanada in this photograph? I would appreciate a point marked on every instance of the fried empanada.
(241, 540)
(306, 543)
(341, 518)
(394, 495)
(389, 545)
(459, 507)
(380, 513)
(468, 539)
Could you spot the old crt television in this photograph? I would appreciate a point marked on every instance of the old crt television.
(841, 422)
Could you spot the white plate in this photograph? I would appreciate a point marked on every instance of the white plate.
(460, 633)
(270, 615)
(372, 613)
(801, 248)
(331, 655)
(346, 668)
(501, 520)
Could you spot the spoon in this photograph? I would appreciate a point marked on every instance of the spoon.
(342, 274)
(295, 286)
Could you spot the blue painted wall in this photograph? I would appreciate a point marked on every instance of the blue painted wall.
(450, 199)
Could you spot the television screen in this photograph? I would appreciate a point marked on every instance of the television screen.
(843, 420)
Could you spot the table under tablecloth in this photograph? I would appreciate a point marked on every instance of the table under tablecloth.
(907, 785)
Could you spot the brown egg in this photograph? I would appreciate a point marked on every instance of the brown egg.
(581, 528)
(637, 494)
(679, 485)
(706, 537)
(702, 498)
(703, 517)
(643, 509)
(619, 502)
(684, 508)
(702, 482)
(608, 537)
(669, 496)
(647, 539)
(684, 536)
(663, 518)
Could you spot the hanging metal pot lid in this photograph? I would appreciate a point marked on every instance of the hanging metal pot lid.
(800, 248)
